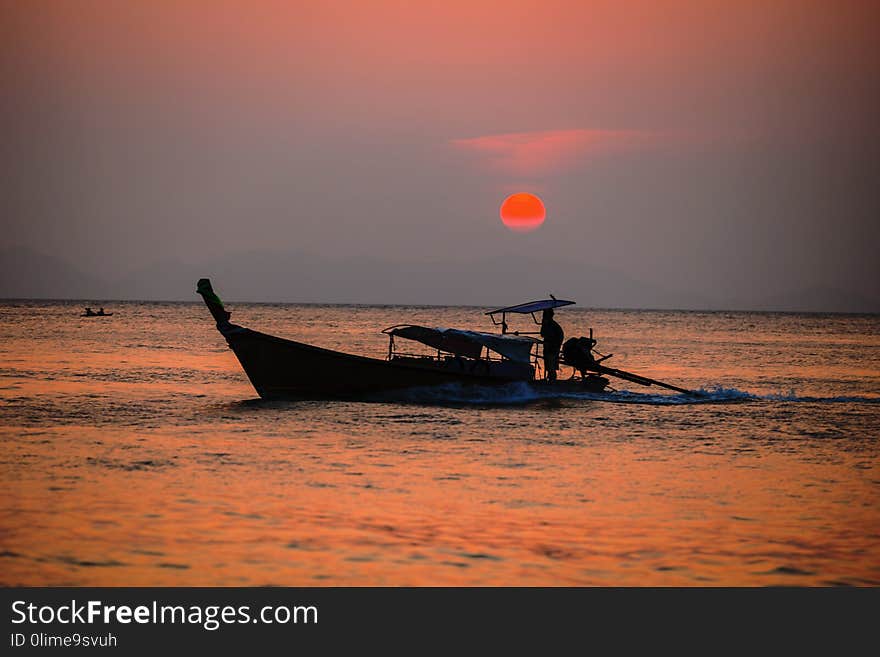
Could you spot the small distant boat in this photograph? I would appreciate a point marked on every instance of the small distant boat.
(282, 368)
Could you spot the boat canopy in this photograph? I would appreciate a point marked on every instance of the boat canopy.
(466, 343)
(532, 306)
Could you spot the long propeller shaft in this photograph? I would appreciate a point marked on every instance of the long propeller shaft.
(641, 380)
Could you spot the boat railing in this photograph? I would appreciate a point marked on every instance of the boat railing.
(439, 355)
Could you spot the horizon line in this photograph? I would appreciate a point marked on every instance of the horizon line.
(447, 305)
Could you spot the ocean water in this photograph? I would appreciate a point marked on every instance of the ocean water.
(135, 452)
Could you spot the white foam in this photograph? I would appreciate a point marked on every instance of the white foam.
(523, 393)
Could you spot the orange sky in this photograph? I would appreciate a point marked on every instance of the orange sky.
(703, 114)
(468, 57)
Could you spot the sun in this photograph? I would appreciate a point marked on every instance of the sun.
(523, 212)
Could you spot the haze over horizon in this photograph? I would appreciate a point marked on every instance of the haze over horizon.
(690, 154)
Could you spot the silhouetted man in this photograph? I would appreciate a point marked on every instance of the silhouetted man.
(553, 336)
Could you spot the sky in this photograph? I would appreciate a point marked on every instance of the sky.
(689, 153)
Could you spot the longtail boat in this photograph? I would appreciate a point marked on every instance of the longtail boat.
(287, 369)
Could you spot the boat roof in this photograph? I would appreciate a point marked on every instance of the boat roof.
(533, 306)
(466, 343)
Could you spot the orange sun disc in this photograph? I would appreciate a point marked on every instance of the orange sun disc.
(523, 212)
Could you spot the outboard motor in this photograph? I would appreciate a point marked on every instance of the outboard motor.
(578, 352)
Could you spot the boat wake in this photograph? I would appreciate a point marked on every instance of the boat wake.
(523, 393)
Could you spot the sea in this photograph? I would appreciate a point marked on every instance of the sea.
(136, 453)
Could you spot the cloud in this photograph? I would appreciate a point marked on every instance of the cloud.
(549, 151)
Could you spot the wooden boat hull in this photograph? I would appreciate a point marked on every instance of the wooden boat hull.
(280, 368)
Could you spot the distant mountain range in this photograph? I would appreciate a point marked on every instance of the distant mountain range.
(272, 276)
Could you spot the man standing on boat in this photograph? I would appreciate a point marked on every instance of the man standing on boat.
(553, 335)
